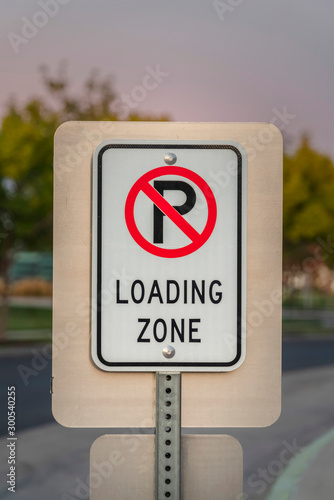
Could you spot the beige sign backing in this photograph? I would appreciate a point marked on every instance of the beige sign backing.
(84, 395)
(123, 467)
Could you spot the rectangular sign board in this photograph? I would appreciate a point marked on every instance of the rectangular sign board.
(169, 256)
(150, 261)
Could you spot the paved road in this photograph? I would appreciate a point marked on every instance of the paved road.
(54, 461)
(40, 302)
(307, 353)
(307, 413)
(34, 400)
(32, 388)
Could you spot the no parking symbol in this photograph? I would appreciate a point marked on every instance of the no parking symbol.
(168, 256)
(162, 208)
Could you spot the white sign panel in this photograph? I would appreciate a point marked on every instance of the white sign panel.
(169, 256)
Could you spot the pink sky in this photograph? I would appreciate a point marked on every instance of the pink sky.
(240, 65)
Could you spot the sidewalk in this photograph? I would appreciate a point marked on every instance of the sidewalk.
(323, 314)
(310, 475)
(40, 302)
(318, 479)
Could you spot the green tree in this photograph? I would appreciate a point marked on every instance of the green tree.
(26, 159)
(308, 203)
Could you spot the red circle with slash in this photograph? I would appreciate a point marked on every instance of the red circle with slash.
(197, 239)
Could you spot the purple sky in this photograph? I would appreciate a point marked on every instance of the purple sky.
(255, 57)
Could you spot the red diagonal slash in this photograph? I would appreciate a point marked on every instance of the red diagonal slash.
(197, 239)
(170, 211)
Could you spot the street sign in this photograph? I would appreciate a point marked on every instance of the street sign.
(169, 256)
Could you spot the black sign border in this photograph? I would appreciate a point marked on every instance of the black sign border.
(99, 254)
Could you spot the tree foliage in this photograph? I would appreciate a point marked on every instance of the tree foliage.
(26, 157)
(26, 152)
(26, 174)
(308, 201)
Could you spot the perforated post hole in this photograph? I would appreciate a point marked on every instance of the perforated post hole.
(168, 435)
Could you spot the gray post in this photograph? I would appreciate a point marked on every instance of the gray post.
(168, 436)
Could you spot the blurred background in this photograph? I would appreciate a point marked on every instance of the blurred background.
(232, 60)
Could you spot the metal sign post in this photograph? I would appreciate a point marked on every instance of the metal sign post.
(168, 436)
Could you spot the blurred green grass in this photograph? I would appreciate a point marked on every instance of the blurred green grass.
(29, 318)
(311, 300)
(306, 327)
(28, 324)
